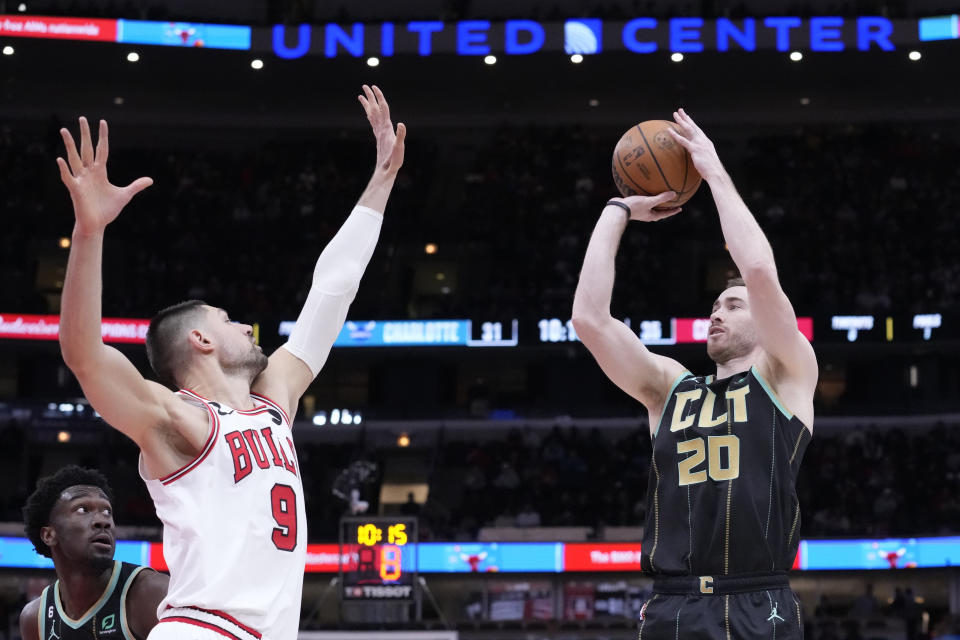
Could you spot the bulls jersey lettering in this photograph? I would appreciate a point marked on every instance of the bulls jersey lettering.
(235, 533)
(722, 496)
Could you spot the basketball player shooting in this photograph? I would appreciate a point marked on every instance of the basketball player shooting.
(217, 455)
(722, 525)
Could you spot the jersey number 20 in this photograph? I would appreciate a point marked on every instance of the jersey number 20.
(283, 503)
(687, 468)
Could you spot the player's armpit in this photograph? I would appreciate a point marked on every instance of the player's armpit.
(628, 363)
(120, 394)
(137, 407)
(284, 380)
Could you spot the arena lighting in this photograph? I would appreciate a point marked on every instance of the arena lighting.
(256, 63)
(63, 436)
(914, 55)
(490, 59)
(576, 58)
(133, 56)
(594, 102)
(676, 57)
(22, 7)
(64, 242)
(796, 56)
(403, 440)
(337, 416)
(430, 249)
(8, 50)
(373, 61)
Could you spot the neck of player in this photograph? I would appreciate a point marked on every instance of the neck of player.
(213, 383)
(80, 589)
(738, 363)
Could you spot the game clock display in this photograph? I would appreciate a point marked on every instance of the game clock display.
(378, 558)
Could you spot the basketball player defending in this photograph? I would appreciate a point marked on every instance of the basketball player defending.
(69, 519)
(217, 456)
(722, 525)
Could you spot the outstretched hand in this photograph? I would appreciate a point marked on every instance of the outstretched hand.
(96, 202)
(643, 208)
(390, 144)
(695, 141)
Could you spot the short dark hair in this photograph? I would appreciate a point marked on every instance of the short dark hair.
(165, 350)
(735, 282)
(36, 512)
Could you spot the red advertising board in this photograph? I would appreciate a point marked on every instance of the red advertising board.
(696, 329)
(325, 558)
(606, 556)
(47, 327)
(59, 28)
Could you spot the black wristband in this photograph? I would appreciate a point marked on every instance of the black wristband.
(621, 205)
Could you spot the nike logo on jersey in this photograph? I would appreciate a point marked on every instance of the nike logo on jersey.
(253, 448)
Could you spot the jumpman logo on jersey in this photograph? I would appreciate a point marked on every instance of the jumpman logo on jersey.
(773, 615)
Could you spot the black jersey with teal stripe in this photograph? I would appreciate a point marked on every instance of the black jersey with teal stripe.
(105, 620)
(722, 496)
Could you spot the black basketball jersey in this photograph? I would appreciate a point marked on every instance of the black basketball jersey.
(105, 620)
(721, 496)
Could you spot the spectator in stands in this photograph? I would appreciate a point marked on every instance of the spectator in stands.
(866, 604)
(411, 507)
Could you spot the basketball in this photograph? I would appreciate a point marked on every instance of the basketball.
(647, 161)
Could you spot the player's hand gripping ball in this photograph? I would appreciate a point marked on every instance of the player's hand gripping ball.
(647, 161)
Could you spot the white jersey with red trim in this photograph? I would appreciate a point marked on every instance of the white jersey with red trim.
(234, 525)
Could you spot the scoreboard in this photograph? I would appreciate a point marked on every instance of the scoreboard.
(378, 558)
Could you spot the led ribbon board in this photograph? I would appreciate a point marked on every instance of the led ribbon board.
(585, 36)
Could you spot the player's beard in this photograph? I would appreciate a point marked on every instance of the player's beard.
(733, 347)
(249, 365)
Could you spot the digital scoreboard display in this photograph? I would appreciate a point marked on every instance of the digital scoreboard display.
(378, 558)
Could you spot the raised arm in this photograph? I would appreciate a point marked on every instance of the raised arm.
(110, 382)
(792, 360)
(337, 274)
(617, 349)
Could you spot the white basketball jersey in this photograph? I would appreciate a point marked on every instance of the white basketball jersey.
(234, 525)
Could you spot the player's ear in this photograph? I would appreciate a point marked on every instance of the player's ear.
(48, 535)
(200, 341)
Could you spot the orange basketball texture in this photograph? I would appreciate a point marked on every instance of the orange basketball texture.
(647, 161)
